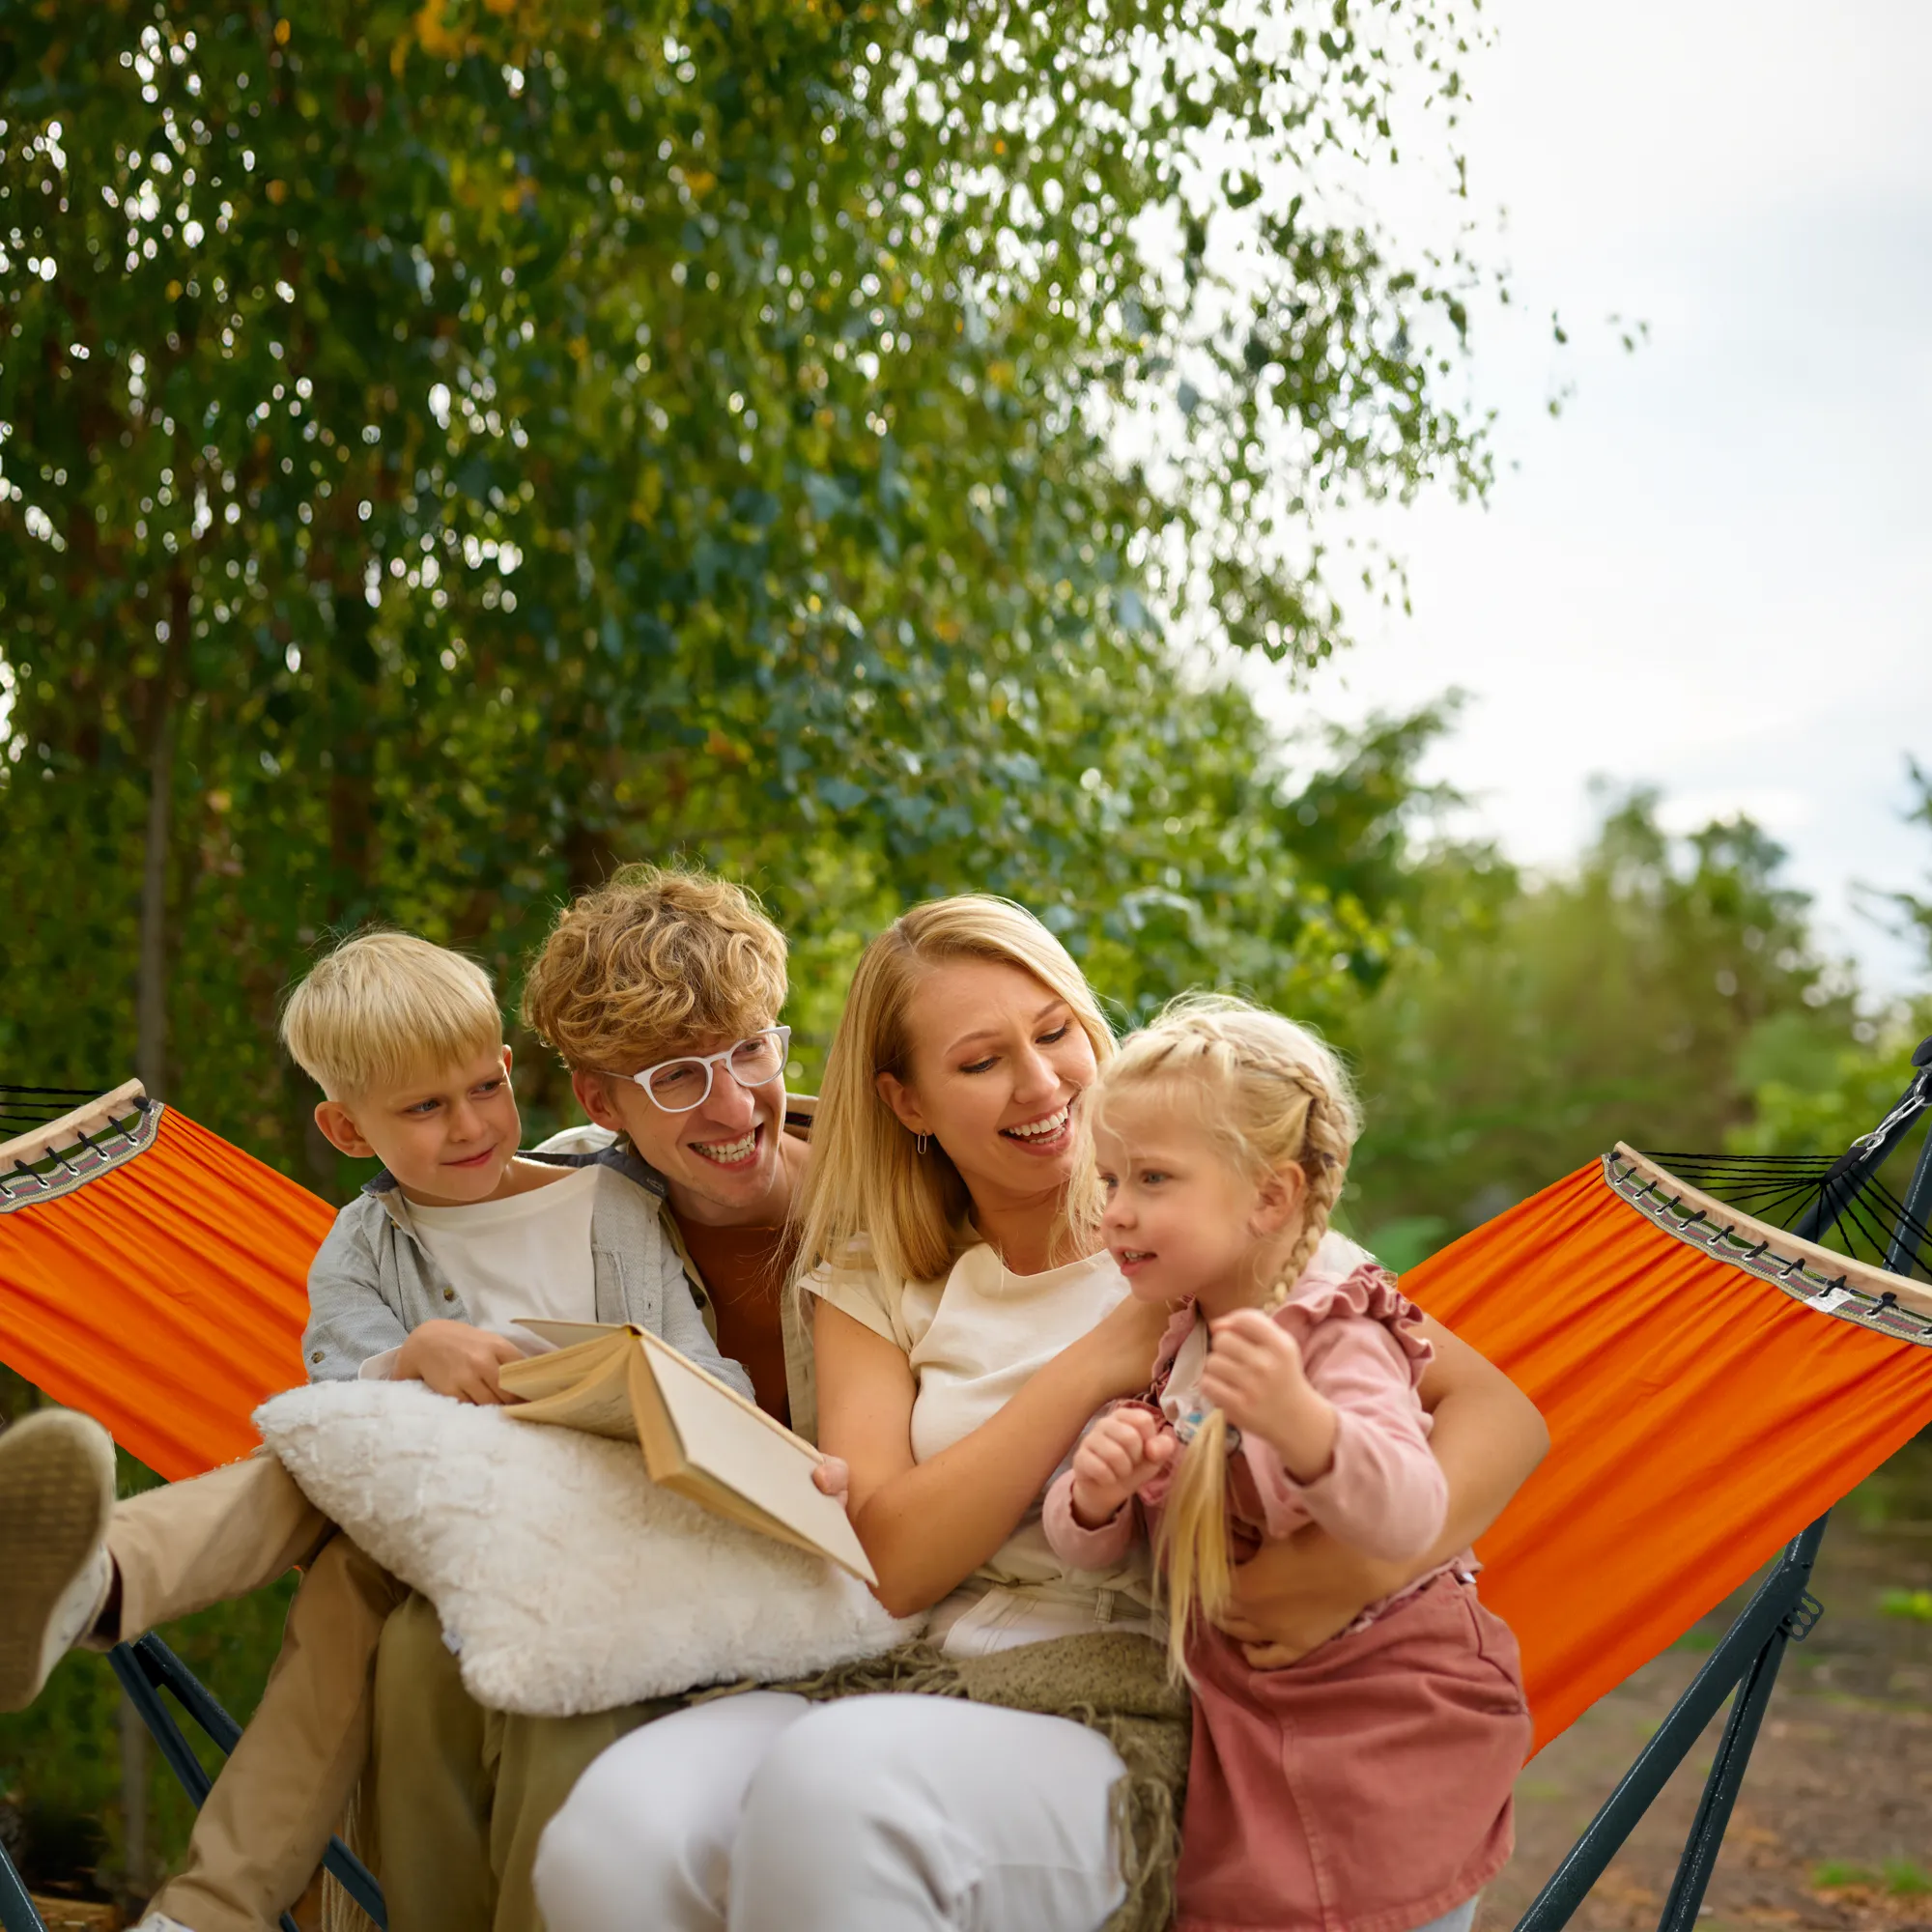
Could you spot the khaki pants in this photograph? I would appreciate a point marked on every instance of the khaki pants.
(262, 1833)
(462, 1793)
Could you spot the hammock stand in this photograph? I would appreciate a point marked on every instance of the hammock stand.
(250, 1358)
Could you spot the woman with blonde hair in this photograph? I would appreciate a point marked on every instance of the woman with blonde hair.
(964, 1336)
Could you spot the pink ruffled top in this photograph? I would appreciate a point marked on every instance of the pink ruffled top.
(1383, 1492)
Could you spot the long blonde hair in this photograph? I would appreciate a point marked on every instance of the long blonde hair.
(1271, 1093)
(869, 1179)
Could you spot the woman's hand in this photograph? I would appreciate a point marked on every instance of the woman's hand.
(1118, 1352)
(1298, 1593)
(834, 1477)
(1117, 1458)
(1294, 1595)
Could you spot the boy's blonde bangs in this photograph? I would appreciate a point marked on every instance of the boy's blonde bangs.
(867, 1185)
(385, 1008)
(651, 962)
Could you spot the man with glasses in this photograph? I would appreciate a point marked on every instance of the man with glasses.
(661, 992)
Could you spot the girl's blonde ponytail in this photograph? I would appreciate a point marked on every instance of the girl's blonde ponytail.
(1192, 1546)
(1273, 1093)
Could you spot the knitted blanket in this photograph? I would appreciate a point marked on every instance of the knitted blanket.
(1113, 1683)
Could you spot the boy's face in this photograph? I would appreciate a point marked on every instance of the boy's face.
(448, 1134)
(724, 1158)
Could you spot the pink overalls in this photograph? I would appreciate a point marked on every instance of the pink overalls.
(1365, 1788)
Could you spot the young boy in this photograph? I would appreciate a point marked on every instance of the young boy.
(418, 1279)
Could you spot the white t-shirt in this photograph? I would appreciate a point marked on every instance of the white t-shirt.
(528, 1254)
(973, 1341)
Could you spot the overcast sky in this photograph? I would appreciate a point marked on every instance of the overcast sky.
(1712, 573)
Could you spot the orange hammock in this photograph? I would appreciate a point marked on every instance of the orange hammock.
(1706, 1400)
(154, 1277)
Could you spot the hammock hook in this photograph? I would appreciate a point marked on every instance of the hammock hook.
(1912, 1103)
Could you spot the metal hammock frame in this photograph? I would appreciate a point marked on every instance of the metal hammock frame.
(1824, 1200)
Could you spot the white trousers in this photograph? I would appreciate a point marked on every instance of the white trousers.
(765, 1814)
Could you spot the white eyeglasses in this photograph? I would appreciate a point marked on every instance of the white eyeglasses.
(677, 1086)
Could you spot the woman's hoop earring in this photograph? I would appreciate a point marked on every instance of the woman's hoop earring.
(919, 1141)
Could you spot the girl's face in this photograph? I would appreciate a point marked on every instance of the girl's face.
(997, 1061)
(1182, 1219)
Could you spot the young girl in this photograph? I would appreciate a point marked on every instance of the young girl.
(1365, 1788)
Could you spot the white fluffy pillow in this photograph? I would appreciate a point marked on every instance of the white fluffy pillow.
(567, 1579)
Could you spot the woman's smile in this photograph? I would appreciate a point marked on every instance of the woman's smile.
(1046, 1134)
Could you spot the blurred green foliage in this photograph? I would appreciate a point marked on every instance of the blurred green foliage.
(1649, 995)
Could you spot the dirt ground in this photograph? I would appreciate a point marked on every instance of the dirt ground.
(1833, 1825)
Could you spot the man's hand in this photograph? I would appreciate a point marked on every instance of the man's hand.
(1117, 1458)
(455, 1360)
(1254, 1377)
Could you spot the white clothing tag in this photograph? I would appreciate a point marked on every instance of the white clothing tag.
(1834, 1298)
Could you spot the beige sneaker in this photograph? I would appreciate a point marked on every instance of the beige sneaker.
(56, 1494)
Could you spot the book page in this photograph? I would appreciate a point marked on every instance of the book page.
(729, 1440)
(583, 1387)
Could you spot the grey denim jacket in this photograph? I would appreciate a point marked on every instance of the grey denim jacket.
(374, 1280)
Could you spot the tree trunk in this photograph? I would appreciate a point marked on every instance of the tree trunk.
(134, 1803)
(151, 1063)
(151, 1050)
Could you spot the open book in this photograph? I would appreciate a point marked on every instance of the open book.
(700, 1439)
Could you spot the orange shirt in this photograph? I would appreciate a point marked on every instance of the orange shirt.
(745, 1268)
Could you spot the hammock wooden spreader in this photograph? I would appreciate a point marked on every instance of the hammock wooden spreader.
(1712, 1384)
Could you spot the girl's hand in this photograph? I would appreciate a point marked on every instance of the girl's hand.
(1117, 1352)
(1117, 1458)
(1254, 1377)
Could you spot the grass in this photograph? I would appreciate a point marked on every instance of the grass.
(1902, 1878)
(1834, 1872)
(1915, 1605)
(1905, 1879)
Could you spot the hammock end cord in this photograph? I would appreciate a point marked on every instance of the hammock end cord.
(57, 1153)
(1811, 1198)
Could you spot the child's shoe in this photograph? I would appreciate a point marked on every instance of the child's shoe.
(56, 1494)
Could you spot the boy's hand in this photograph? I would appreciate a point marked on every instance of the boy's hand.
(1117, 1458)
(1255, 1377)
(458, 1360)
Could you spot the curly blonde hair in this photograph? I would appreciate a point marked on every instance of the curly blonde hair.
(1272, 1094)
(652, 959)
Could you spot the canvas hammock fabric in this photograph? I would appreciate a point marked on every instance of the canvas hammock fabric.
(152, 1275)
(1711, 1383)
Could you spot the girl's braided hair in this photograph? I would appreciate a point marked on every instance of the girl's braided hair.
(1271, 1093)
